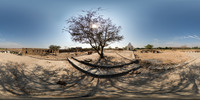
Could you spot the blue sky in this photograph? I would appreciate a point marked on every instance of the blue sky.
(39, 23)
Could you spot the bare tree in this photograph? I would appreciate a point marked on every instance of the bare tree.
(91, 28)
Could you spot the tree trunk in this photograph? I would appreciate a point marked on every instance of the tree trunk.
(98, 52)
(102, 55)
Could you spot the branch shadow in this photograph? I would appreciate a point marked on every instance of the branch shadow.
(161, 83)
(19, 80)
(108, 60)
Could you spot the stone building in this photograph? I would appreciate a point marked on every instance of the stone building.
(129, 47)
(35, 51)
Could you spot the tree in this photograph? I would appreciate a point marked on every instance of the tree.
(149, 46)
(196, 47)
(110, 48)
(125, 48)
(91, 28)
(168, 48)
(159, 48)
(54, 48)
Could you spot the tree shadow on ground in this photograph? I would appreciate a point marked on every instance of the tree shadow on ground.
(178, 82)
(108, 60)
(18, 80)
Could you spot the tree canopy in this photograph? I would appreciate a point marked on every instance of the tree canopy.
(54, 48)
(149, 46)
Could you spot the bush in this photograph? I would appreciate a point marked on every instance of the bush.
(149, 46)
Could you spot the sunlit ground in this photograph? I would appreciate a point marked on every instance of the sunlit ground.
(26, 77)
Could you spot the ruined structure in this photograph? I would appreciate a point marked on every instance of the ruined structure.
(35, 51)
(76, 49)
(40, 51)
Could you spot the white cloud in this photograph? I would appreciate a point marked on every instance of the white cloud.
(159, 43)
(176, 43)
(10, 45)
(191, 37)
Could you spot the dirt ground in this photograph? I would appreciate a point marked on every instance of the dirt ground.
(168, 56)
(114, 57)
(58, 56)
(33, 78)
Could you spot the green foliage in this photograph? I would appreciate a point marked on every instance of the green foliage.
(195, 47)
(159, 48)
(168, 47)
(149, 46)
(109, 47)
(54, 48)
(125, 48)
(138, 48)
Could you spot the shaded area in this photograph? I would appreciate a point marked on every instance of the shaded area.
(106, 61)
(18, 80)
(116, 74)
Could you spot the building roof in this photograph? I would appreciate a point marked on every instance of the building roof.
(130, 45)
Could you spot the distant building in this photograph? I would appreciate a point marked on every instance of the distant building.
(36, 51)
(129, 47)
(76, 49)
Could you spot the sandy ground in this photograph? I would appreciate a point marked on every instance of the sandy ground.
(175, 57)
(59, 56)
(111, 57)
(24, 77)
(31, 62)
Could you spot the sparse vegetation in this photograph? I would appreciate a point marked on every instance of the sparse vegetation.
(195, 47)
(149, 46)
(54, 48)
(125, 48)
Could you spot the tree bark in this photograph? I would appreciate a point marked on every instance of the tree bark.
(98, 51)
(102, 55)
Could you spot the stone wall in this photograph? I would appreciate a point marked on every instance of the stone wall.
(35, 51)
(13, 49)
